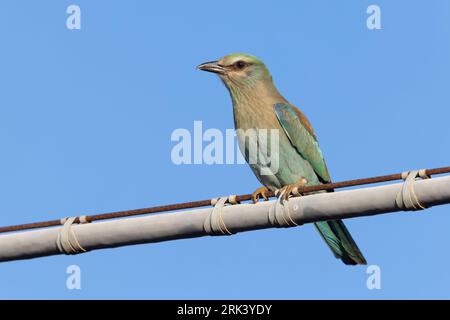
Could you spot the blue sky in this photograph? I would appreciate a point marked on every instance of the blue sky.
(86, 117)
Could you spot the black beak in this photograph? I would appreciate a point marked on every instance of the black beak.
(212, 66)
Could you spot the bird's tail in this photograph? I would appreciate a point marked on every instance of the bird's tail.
(340, 242)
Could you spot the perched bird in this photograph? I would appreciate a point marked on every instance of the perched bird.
(257, 104)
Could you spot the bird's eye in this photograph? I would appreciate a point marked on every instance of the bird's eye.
(240, 65)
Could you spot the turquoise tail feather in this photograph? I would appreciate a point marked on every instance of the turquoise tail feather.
(340, 241)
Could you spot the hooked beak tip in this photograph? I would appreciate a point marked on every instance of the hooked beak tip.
(212, 66)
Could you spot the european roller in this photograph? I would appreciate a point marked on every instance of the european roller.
(257, 104)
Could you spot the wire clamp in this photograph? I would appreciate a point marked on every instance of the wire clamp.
(214, 224)
(67, 241)
(407, 199)
(280, 213)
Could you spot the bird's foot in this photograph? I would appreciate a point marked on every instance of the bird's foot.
(291, 190)
(260, 192)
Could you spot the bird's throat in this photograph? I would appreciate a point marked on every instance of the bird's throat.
(253, 106)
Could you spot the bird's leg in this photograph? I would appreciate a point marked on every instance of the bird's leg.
(260, 192)
(292, 189)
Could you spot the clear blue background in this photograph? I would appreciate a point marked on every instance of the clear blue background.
(86, 118)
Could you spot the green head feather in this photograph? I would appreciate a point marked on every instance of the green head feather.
(242, 73)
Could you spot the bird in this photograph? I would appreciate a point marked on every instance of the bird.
(257, 104)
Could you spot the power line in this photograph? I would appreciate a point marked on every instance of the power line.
(203, 203)
(412, 194)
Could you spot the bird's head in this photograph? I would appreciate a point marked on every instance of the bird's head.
(238, 70)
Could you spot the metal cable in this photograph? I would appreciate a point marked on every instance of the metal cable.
(203, 203)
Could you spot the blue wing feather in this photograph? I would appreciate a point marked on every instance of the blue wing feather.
(302, 140)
